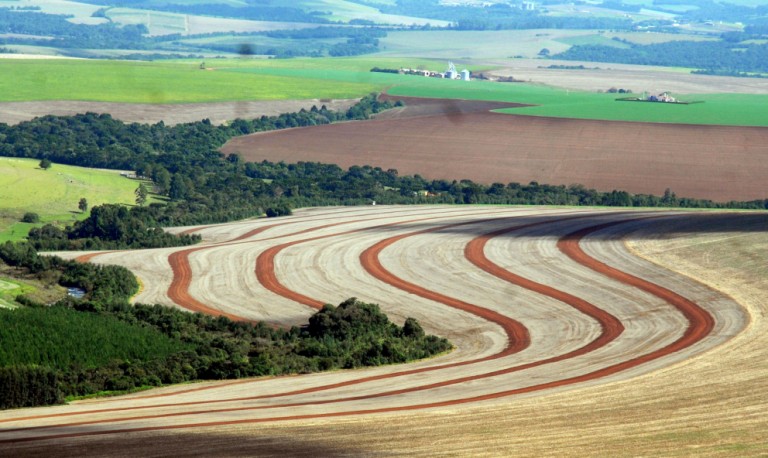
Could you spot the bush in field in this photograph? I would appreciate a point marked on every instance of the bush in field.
(30, 217)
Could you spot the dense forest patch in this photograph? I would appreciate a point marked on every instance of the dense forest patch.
(87, 348)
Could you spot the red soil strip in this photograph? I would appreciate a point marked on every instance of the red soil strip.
(711, 162)
(701, 324)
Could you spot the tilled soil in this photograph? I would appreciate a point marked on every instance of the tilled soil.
(537, 301)
(462, 140)
(216, 112)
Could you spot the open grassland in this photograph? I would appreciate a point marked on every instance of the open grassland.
(54, 193)
(567, 342)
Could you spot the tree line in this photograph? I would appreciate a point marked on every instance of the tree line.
(67, 34)
(713, 57)
(101, 348)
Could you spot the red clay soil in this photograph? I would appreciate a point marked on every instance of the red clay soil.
(459, 139)
(701, 324)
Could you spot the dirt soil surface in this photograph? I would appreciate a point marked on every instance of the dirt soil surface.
(453, 139)
(601, 76)
(217, 112)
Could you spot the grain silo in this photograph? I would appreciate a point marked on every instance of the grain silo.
(465, 75)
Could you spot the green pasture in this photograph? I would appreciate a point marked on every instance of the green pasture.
(54, 193)
(150, 82)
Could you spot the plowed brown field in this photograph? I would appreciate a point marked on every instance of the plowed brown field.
(456, 140)
(170, 114)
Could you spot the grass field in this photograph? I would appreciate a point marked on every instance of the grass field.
(54, 193)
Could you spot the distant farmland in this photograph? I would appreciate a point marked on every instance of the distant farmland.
(712, 162)
(233, 80)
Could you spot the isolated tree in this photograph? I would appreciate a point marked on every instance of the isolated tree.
(544, 52)
(162, 179)
(30, 217)
(45, 164)
(83, 204)
(141, 194)
(246, 49)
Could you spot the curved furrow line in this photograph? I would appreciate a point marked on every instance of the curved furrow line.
(178, 291)
(331, 215)
(700, 321)
(384, 275)
(265, 262)
(699, 327)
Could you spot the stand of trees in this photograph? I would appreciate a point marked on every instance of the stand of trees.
(117, 347)
(109, 227)
(40, 27)
(712, 57)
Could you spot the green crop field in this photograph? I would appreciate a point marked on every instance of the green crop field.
(725, 109)
(149, 82)
(54, 193)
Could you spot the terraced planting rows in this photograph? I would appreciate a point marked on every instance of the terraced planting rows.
(536, 301)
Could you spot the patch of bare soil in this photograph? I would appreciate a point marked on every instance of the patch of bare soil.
(217, 112)
(711, 162)
(600, 76)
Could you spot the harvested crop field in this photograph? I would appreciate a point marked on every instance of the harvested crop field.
(550, 312)
(450, 140)
(170, 114)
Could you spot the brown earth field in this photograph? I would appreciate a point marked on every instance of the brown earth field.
(454, 139)
(216, 112)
